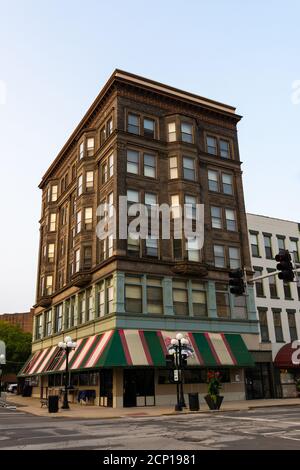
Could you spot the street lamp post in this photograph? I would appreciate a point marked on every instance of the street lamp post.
(2, 361)
(177, 352)
(67, 345)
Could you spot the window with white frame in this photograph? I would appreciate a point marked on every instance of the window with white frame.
(90, 146)
(234, 257)
(48, 322)
(133, 294)
(78, 222)
(49, 284)
(81, 150)
(190, 206)
(51, 247)
(101, 299)
(39, 326)
(52, 224)
(88, 218)
(213, 181)
(254, 244)
(219, 255)
(77, 260)
(171, 131)
(211, 145)
(187, 132)
(199, 299)
(192, 248)
(109, 127)
(54, 192)
(110, 295)
(227, 184)
(79, 185)
(58, 324)
(89, 180)
(175, 206)
(110, 245)
(216, 217)
(90, 305)
(189, 172)
(133, 162)
(173, 167)
(295, 250)
(110, 165)
(230, 219)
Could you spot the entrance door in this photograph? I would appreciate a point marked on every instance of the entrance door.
(106, 387)
(258, 382)
(138, 387)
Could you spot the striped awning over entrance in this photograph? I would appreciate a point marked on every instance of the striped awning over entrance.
(122, 348)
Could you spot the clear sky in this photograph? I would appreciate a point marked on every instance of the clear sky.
(55, 55)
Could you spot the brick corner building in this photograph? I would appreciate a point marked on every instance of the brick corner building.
(123, 300)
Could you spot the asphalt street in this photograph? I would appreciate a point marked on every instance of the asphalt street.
(268, 428)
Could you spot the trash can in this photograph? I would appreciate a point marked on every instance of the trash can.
(53, 403)
(194, 401)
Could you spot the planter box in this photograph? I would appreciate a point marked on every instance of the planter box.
(212, 404)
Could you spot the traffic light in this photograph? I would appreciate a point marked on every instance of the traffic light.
(236, 281)
(285, 266)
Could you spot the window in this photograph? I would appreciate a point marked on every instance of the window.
(239, 311)
(234, 258)
(190, 206)
(149, 166)
(50, 252)
(87, 256)
(133, 295)
(175, 207)
(189, 168)
(79, 186)
(48, 323)
(104, 172)
(149, 128)
(88, 218)
(171, 132)
(259, 286)
(254, 244)
(78, 222)
(152, 247)
(216, 217)
(58, 318)
(180, 298)
(268, 246)
(109, 127)
(187, 132)
(278, 326)
(222, 299)
(133, 162)
(219, 254)
(89, 180)
(227, 184)
(49, 285)
(90, 146)
(173, 167)
(102, 135)
(150, 200)
(292, 324)
(224, 149)
(177, 248)
(54, 193)
(133, 246)
(230, 219)
(52, 225)
(81, 308)
(39, 327)
(72, 311)
(281, 243)
(101, 299)
(67, 319)
(111, 165)
(110, 245)
(287, 291)
(294, 250)
(272, 286)
(133, 124)
(199, 299)
(133, 197)
(263, 323)
(110, 204)
(77, 260)
(211, 145)
(90, 305)
(213, 182)
(81, 150)
(192, 249)
(154, 297)
(110, 296)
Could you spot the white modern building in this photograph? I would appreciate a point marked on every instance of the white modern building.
(278, 303)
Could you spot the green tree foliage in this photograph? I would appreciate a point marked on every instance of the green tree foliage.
(18, 346)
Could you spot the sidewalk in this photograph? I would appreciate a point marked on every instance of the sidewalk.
(33, 406)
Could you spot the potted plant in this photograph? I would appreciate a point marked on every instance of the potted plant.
(213, 398)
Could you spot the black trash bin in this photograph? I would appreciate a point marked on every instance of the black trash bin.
(53, 403)
(194, 401)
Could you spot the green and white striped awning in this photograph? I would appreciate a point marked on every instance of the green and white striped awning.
(123, 348)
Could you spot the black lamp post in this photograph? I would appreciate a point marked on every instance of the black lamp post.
(2, 361)
(179, 359)
(67, 345)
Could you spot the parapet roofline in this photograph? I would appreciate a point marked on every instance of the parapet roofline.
(137, 80)
(176, 92)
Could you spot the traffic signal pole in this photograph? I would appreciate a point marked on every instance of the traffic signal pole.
(273, 273)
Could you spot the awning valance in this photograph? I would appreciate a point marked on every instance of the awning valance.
(288, 356)
(123, 348)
